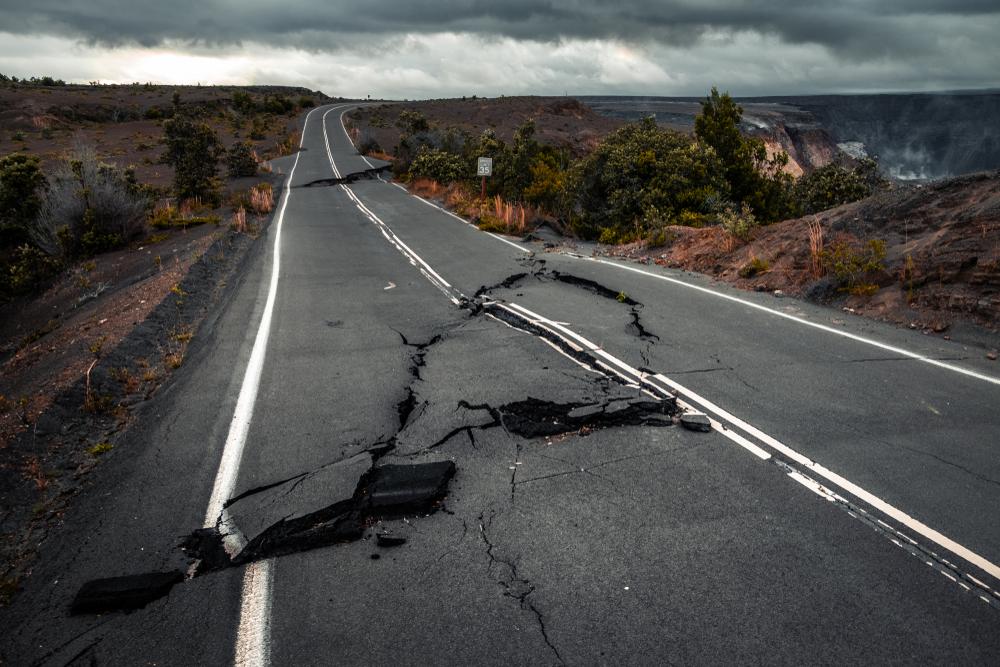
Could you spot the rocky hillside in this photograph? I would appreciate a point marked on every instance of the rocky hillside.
(941, 264)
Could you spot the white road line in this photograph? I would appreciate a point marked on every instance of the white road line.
(253, 634)
(846, 485)
(914, 524)
(232, 453)
(822, 327)
(463, 220)
(624, 370)
(344, 127)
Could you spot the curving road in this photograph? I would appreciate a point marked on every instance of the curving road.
(843, 508)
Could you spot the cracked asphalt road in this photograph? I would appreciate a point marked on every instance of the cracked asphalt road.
(580, 527)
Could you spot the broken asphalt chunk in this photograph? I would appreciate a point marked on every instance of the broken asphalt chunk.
(535, 417)
(405, 488)
(389, 541)
(696, 421)
(123, 593)
(331, 505)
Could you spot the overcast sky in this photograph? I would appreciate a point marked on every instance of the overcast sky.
(444, 48)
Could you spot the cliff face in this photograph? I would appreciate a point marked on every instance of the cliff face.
(917, 136)
(914, 136)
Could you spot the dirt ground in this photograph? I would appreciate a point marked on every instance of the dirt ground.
(47, 121)
(559, 121)
(941, 265)
(106, 335)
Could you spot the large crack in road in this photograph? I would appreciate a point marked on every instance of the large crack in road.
(338, 502)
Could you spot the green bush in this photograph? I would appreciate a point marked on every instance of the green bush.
(438, 165)
(640, 178)
(193, 150)
(27, 269)
(21, 182)
(754, 267)
(243, 103)
(739, 224)
(852, 264)
(258, 128)
(412, 122)
(836, 184)
(240, 160)
(90, 207)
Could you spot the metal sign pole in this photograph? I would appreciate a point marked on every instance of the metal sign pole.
(484, 168)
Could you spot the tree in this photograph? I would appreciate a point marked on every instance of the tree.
(21, 181)
(642, 177)
(754, 178)
(193, 150)
(240, 160)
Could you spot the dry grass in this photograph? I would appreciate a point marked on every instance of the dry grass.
(512, 215)
(262, 198)
(816, 248)
(239, 220)
(492, 215)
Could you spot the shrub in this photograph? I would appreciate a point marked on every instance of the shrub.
(21, 182)
(836, 184)
(640, 178)
(243, 103)
(27, 270)
(438, 165)
(90, 207)
(306, 102)
(412, 122)
(276, 104)
(739, 225)
(851, 263)
(240, 160)
(754, 267)
(193, 150)
(258, 128)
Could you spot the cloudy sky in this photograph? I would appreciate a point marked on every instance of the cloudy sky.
(443, 48)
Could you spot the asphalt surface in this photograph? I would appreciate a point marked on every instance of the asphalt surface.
(869, 538)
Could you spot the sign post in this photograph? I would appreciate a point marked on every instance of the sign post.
(484, 168)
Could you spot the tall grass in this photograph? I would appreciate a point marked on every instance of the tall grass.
(816, 248)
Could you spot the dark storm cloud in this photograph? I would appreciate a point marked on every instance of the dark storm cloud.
(854, 28)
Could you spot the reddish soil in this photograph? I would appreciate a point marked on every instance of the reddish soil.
(109, 331)
(48, 121)
(559, 121)
(942, 262)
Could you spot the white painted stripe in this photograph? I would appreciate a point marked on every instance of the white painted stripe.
(822, 327)
(510, 243)
(832, 477)
(848, 486)
(351, 141)
(232, 453)
(253, 636)
(253, 633)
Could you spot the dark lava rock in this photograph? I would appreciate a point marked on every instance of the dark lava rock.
(696, 421)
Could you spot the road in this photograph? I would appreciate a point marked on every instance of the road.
(842, 508)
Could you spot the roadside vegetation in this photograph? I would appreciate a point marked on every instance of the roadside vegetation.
(636, 183)
(60, 208)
